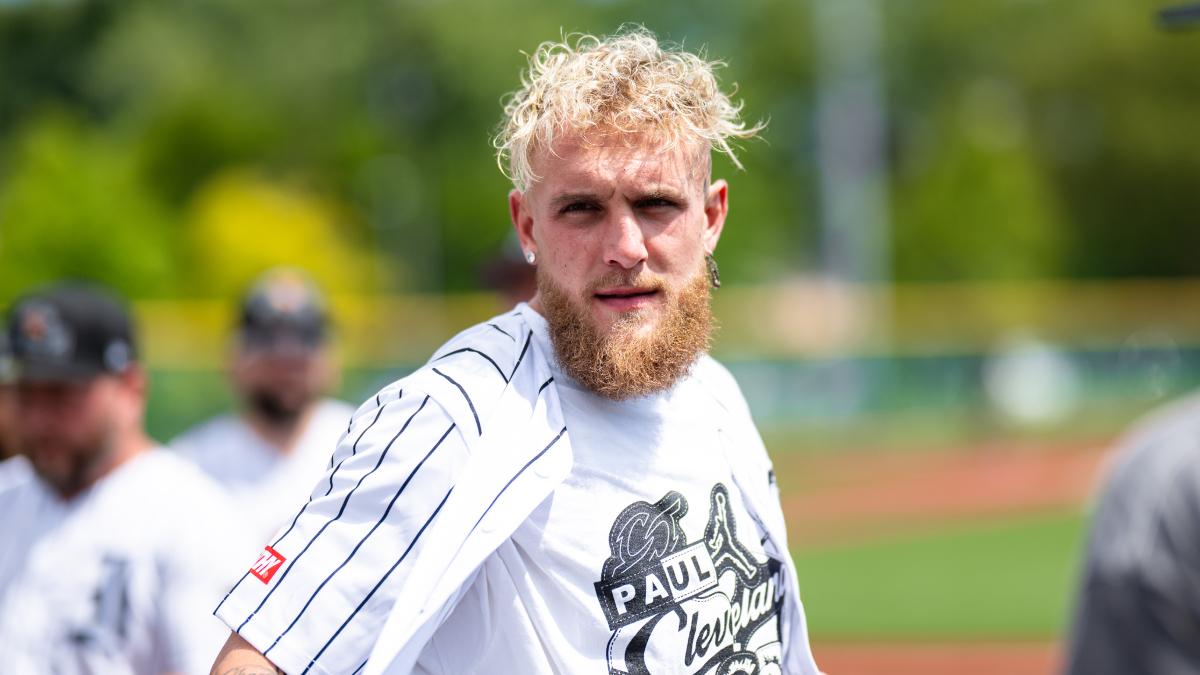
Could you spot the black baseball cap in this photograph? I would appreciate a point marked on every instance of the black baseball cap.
(283, 304)
(70, 332)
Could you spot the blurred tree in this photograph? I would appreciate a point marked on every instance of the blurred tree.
(1098, 184)
(1031, 139)
(44, 48)
(240, 224)
(73, 205)
(972, 200)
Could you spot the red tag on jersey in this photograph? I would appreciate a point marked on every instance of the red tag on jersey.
(267, 565)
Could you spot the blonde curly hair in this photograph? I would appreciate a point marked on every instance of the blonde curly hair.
(626, 83)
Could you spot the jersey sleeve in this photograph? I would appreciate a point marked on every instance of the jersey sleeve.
(318, 594)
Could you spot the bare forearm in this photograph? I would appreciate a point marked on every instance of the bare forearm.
(239, 657)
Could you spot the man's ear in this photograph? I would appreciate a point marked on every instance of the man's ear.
(134, 378)
(134, 387)
(519, 209)
(716, 207)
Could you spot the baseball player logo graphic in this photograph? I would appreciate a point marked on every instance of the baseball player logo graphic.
(41, 331)
(710, 602)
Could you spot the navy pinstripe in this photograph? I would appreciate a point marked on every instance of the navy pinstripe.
(380, 583)
(516, 475)
(478, 427)
(341, 510)
(353, 450)
(475, 351)
(362, 541)
(506, 333)
(528, 339)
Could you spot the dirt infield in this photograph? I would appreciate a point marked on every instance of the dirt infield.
(938, 659)
(859, 495)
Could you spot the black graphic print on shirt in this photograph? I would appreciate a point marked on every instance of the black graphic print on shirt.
(708, 606)
(108, 628)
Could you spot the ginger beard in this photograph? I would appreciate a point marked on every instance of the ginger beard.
(624, 362)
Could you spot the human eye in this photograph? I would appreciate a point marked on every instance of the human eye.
(579, 206)
(657, 202)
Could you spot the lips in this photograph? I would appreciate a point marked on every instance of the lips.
(626, 298)
(625, 292)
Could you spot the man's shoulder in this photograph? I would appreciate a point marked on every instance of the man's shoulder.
(1172, 420)
(212, 431)
(467, 374)
(16, 475)
(492, 347)
(331, 417)
(335, 408)
(718, 382)
(1160, 454)
(163, 472)
(1151, 488)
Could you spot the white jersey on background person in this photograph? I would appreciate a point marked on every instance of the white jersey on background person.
(119, 579)
(640, 552)
(265, 484)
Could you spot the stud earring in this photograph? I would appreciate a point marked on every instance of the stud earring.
(530, 257)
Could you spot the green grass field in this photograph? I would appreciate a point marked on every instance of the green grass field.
(998, 579)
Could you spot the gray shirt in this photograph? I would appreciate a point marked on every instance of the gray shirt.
(1139, 601)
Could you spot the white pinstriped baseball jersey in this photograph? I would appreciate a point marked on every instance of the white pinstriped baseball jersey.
(433, 484)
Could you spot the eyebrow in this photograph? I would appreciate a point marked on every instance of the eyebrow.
(561, 201)
(663, 193)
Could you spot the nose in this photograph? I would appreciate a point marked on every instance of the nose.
(626, 245)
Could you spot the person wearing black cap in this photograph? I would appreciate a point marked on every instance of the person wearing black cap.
(272, 452)
(114, 550)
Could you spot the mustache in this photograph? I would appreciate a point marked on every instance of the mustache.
(613, 278)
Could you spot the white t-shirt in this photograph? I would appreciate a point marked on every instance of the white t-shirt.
(645, 560)
(266, 485)
(120, 579)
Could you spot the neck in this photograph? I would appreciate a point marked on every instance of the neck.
(279, 434)
(124, 450)
(536, 303)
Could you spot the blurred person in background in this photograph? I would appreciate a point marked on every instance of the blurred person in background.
(514, 506)
(7, 442)
(271, 452)
(114, 550)
(1138, 604)
(1138, 609)
(509, 274)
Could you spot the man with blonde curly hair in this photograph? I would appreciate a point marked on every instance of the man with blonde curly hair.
(574, 486)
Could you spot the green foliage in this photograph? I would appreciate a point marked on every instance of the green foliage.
(1027, 139)
(1094, 102)
(236, 213)
(979, 191)
(74, 206)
